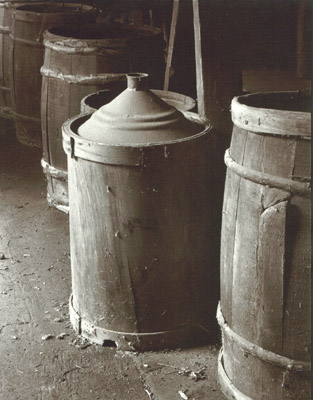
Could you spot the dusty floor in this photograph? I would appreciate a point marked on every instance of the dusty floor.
(35, 285)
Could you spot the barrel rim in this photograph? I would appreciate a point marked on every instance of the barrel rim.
(127, 154)
(65, 44)
(18, 11)
(188, 114)
(271, 121)
(164, 94)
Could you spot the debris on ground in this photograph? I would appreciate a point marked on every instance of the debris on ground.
(149, 394)
(62, 335)
(183, 395)
(58, 320)
(47, 337)
(2, 256)
(80, 343)
(195, 375)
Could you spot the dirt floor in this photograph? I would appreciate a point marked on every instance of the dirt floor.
(41, 357)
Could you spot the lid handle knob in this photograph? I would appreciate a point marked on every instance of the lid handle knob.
(137, 81)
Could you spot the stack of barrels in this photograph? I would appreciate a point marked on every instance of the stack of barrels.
(53, 55)
(26, 57)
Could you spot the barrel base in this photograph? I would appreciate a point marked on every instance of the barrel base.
(230, 391)
(28, 131)
(186, 336)
(262, 374)
(57, 187)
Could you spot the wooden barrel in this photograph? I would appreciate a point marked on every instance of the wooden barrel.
(94, 101)
(5, 28)
(26, 57)
(79, 61)
(6, 12)
(265, 302)
(140, 228)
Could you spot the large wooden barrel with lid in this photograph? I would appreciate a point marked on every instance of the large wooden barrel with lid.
(264, 311)
(26, 58)
(139, 195)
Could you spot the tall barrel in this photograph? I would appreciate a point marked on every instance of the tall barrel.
(139, 192)
(6, 9)
(26, 59)
(6, 12)
(264, 311)
(79, 61)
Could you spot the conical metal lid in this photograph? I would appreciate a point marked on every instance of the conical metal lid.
(137, 117)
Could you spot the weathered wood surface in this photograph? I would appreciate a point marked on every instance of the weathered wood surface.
(76, 65)
(5, 27)
(140, 237)
(26, 58)
(265, 250)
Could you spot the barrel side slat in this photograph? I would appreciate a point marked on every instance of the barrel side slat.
(231, 196)
(44, 119)
(297, 323)
(297, 339)
(6, 69)
(271, 265)
(2, 61)
(105, 296)
(249, 209)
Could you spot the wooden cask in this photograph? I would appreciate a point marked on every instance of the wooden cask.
(265, 302)
(26, 58)
(79, 61)
(6, 12)
(140, 227)
(6, 9)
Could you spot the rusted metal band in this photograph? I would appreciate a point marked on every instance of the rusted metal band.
(133, 341)
(5, 29)
(77, 147)
(83, 79)
(25, 117)
(69, 50)
(262, 178)
(26, 42)
(53, 172)
(257, 351)
(228, 388)
(271, 121)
